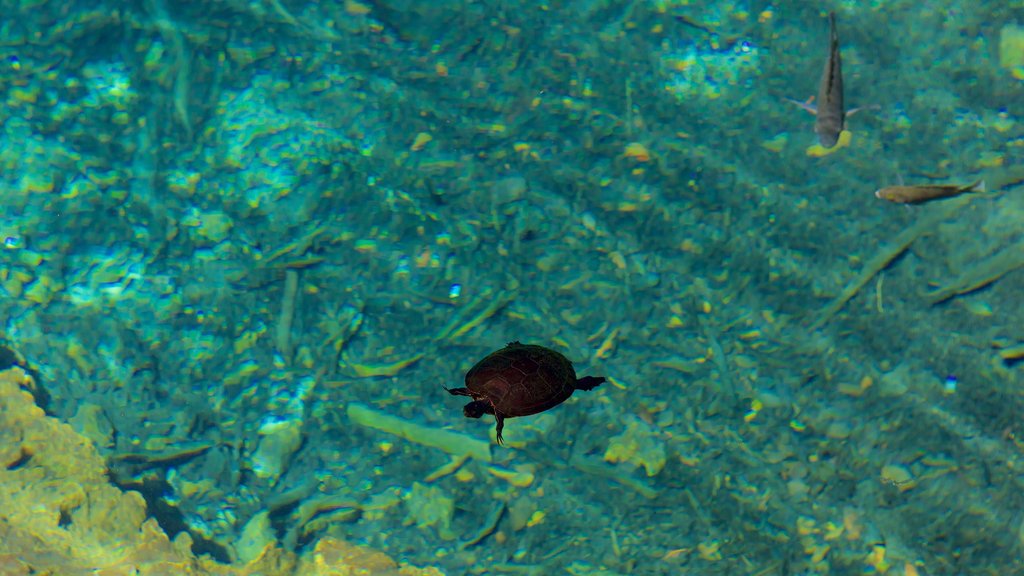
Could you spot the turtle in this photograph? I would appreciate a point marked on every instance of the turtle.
(519, 380)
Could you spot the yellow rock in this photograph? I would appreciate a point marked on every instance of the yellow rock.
(1011, 46)
(256, 536)
(213, 227)
(333, 557)
(776, 143)
(979, 308)
(898, 475)
(30, 258)
(278, 443)
(839, 430)
(59, 514)
(24, 95)
(39, 292)
(91, 422)
(14, 287)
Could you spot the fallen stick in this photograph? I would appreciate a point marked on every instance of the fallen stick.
(886, 255)
(980, 275)
(283, 334)
(450, 442)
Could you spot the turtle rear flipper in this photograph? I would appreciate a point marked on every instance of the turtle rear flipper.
(589, 382)
(501, 424)
(458, 391)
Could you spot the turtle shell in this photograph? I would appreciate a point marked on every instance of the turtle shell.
(522, 379)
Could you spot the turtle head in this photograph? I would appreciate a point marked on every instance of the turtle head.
(477, 408)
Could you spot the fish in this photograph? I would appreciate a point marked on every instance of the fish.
(829, 111)
(831, 115)
(927, 192)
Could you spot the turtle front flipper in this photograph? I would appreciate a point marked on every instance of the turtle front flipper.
(477, 408)
(588, 382)
(458, 391)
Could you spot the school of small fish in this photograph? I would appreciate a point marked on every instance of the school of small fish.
(830, 121)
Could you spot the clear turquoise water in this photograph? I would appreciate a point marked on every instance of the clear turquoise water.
(226, 224)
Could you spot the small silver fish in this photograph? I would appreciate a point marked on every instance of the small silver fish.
(927, 192)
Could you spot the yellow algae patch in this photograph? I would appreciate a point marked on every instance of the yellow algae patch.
(776, 143)
(30, 258)
(90, 421)
(208, 228)
(450, 442)
(354, 8)
(536, 518)
(638, 446)
(430, 506)
(853, 526)
(421, 141)
(240, 373)
(24, 95)
(710, 550)
(41, 290)
(818, 151)
(38, 183)
(248, 339)
(1011, 46)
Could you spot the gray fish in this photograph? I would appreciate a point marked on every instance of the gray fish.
(829, 109)
(831, 114)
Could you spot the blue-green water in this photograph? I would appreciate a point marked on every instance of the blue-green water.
(248, 244)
